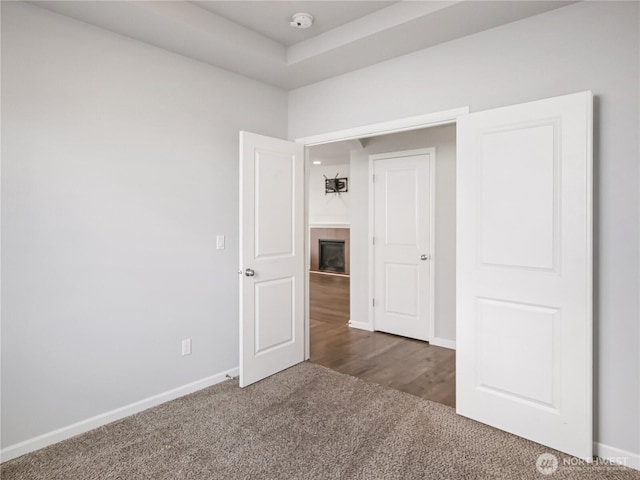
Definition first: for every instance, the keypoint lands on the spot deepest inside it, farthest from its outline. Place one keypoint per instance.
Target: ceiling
(271, 19)
(254, 39)
(335, 153)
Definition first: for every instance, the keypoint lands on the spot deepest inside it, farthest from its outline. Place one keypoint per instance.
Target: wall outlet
(186, 346)
(220, 242)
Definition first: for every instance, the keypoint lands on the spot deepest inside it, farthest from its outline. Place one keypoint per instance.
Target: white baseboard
(616, 455)
(360, 325)
(613, 454)
(55, 436)
(443, 342)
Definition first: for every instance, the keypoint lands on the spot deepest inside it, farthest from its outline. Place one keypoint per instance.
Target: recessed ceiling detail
(252, 38)
(270, 18)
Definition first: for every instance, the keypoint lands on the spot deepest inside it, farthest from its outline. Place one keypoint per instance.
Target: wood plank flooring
(329, 298)
(405, 364)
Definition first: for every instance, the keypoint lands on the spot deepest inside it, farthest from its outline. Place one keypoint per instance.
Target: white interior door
(524, 271)
(271, 256)
(402, 243)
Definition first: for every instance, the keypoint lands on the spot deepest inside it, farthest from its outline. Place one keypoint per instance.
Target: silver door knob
(249, 272)
(424, 257)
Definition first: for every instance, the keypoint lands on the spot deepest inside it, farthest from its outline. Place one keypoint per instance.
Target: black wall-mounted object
(336, 185)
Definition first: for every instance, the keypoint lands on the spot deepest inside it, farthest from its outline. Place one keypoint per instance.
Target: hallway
(408, 365)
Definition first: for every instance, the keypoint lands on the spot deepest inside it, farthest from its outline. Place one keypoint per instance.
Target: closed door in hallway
(402, 242)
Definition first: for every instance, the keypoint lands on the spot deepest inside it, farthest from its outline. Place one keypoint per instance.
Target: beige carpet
(305, 423)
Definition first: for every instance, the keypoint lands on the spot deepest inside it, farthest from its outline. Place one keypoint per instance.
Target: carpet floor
(307, 422)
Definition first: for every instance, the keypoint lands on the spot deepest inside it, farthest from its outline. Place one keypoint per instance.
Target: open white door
(271, 256)
(524, 271)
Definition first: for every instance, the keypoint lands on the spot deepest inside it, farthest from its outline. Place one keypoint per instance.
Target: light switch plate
(220, 242)
(186, 346)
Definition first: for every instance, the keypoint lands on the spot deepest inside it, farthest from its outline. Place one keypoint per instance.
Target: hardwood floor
(329, 298)
(405, 364)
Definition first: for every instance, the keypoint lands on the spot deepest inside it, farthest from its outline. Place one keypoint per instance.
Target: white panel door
(271, 256)
(524, 271)
(402, 245)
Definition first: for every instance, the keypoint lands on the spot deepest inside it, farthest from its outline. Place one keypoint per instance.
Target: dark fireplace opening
(332, 256)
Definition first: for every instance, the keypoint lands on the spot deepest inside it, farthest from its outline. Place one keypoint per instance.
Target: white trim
(432, 244)
(403, 153)
(329, 225)
(588, 345)
(370, 246)
(431, 152)
(55, 436)
(360, 325)
(384, 128)
(307, 256)
(443, 342)
(617, 455)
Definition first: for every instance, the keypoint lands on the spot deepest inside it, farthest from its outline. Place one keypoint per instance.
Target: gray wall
(586, 46)
(119, 168)
(444, 261)
(326, 209)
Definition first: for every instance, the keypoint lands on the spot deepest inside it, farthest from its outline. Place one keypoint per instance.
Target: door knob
(424, 257)
(249, 272)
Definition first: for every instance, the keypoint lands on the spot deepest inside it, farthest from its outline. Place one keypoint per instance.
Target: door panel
(274, 314)
(271, 248)
(524, 353)
(529, 182)
(402, 211)
(401, 289)
(402, 206)
(526, 335)
(274, 173)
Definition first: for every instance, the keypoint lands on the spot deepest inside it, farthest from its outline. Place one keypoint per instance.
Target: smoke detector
(301, 20)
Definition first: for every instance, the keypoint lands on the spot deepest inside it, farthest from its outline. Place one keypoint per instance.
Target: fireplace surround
(329, 248)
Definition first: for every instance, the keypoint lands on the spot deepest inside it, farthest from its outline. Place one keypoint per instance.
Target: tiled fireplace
(330, 250)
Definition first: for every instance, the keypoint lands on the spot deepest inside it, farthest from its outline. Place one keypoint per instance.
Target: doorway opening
(523, 283)
(344, 332)
(329, 266)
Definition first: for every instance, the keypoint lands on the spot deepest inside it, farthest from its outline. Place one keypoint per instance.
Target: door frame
(444, 117)
(431, 151)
